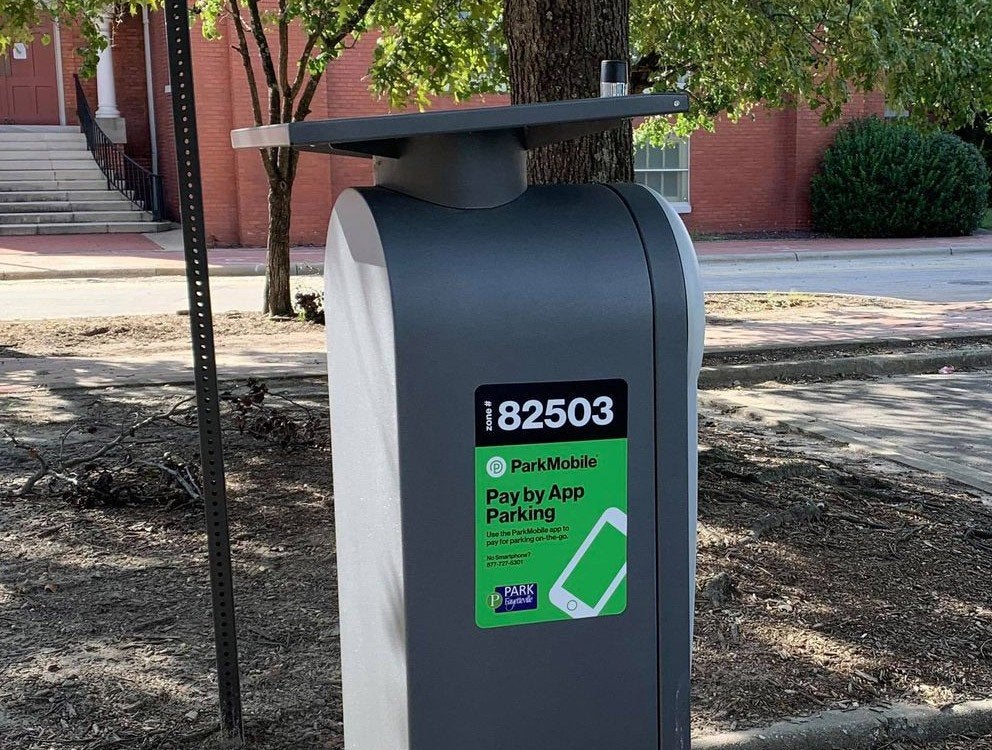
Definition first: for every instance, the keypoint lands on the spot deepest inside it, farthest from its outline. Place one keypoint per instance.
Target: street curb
(858, 729)
(876, 365)
(728, 350)
(794, 256)
(257, 269)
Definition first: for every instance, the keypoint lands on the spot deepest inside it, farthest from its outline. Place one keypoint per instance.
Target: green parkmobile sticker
(551, 501)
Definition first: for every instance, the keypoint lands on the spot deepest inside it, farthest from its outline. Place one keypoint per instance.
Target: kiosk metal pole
(204, 366)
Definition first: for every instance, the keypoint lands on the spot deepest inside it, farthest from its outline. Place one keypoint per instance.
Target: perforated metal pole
(204, 366)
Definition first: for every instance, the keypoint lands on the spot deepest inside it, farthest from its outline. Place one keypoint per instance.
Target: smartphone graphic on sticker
(596, 570)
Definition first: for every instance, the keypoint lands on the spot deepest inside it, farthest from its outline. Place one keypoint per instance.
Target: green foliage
(931, 58)
(978, 133)
(327, 25)
(311, 306)
(20, 18)
(430, 47)
(882, 179)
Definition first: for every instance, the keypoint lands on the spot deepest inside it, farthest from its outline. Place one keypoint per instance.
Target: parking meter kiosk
(512, 377)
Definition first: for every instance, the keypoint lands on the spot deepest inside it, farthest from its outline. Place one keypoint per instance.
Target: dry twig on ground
(114, 472)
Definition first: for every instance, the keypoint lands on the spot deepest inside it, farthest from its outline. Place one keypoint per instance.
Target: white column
(106, 90)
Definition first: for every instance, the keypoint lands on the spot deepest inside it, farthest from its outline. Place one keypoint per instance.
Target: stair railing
(141, 186)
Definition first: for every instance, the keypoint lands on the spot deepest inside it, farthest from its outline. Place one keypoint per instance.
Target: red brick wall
(235, 186)
(163, 114)
(132, 93)
(71, 64)
(749, 176)
(234, 182)
(311, 206)
(128, 49)
(754, 175)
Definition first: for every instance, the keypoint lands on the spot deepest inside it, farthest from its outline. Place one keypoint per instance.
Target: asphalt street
(959, 278)
(964, 278)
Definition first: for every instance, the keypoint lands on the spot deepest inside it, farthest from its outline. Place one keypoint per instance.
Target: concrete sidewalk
(134, 255)
(103, 256)
(904, 320)
(304, 354)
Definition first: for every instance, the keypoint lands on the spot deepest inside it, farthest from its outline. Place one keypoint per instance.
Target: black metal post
(204, 365)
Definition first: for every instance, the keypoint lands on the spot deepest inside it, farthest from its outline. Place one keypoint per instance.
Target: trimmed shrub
(311, 306)
(977, 133)
(889, 179)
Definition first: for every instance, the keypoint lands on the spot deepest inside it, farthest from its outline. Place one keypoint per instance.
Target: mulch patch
(117, 333)
(830, 580)
(827, 579)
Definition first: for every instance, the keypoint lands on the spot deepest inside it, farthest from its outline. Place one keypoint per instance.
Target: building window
(665, 170)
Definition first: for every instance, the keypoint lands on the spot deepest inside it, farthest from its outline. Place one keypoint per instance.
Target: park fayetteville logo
(496, 467)
(516, 598)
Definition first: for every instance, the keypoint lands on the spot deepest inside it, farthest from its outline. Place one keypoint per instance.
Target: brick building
(749, 176)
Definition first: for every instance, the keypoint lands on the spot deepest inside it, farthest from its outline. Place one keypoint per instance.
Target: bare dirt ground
(827, 579)
(738, 304)
(137, 333)
(89, 336)
(106, 639)
(958, 742)
(838, 578)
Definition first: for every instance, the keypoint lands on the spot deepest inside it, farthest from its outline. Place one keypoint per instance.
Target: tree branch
(301, 72)
(33, 453)
(284, 88)
(306, 99)
(61, 469)
(242, 48)
(348, 25)
(125, 431)
(256, 105)
(262, 42)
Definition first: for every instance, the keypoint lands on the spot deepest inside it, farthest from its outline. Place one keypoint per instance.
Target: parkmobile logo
(496, 467)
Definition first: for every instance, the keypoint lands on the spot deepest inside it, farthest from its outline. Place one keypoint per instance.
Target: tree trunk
(555, 48)
(278, 302)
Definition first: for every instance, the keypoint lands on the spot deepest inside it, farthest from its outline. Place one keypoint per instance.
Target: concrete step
(9, 230)
(42, 130)
(40, 197)
(72, 217)
(45, 149)
(41, 164)
(7, 136)
(17, 186)
(90, 172)
(71, 144)
(66, 206)
(37, 158)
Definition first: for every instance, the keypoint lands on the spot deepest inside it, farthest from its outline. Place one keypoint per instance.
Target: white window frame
(682, 207)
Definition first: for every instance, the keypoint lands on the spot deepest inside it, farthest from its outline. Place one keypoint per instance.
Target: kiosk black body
(512, 374)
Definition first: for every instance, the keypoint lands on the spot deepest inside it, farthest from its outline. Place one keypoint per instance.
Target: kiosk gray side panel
(696, 310)
(362, 378)
(676, 457)
(551, 287)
